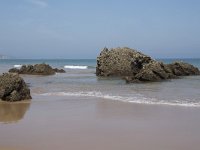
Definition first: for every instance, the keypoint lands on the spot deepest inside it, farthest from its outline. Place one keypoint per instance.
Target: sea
(81, 82)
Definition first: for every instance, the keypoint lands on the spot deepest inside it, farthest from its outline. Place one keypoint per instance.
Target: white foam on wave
(17, 66)
(137, 99)
(75, 67)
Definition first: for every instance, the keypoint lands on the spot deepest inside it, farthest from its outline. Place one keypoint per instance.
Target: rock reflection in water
(13, 112)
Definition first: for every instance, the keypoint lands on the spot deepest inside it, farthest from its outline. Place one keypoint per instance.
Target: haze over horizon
(80, 29)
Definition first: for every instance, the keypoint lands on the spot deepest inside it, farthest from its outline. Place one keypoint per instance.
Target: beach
(78, 110)
(99, 75)
(71, 123)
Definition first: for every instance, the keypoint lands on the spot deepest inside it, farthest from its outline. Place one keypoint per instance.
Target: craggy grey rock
(133, 66)
(38, 69)
(183, 69)
(120, 62)
(13, 88)
(154, 71)
(59, 70)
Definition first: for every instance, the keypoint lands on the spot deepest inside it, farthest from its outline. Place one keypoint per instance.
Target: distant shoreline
(4, 57)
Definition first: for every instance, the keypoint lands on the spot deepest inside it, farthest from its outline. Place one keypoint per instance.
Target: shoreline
(88, 95)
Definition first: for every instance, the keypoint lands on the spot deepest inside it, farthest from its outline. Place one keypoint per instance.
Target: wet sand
(74, 123)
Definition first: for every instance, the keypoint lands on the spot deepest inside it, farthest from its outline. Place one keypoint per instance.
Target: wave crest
(17, 66)
(75, 67)
(138, 99)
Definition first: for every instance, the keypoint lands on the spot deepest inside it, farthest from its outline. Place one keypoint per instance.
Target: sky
(81, 28)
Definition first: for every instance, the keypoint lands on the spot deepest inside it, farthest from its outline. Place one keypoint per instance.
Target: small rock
(13, 88)
(38, 69)
(59, 70)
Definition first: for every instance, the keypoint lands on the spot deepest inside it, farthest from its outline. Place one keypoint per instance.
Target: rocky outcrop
(59, 70)
(13, 88)
(38, 69)
(153, 71)
(120, 62)
(183, 69)
(134, 66)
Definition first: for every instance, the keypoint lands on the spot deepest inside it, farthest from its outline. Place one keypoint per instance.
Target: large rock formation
(120, 62)
(134, 66)
(13, 88)
(38, 69)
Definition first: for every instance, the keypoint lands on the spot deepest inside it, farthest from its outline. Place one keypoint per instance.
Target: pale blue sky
(81, 28)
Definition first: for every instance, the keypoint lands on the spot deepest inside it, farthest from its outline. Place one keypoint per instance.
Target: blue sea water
(80, 81)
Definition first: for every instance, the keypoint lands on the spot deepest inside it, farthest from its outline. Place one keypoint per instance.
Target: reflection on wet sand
(13, 112)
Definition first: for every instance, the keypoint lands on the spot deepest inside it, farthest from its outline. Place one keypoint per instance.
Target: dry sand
(97, 124)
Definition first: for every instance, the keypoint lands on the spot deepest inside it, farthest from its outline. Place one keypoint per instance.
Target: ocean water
(80, 81)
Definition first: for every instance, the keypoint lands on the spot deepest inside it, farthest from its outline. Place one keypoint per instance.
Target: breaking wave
(138, 99)
(75, 67)
(17, 66)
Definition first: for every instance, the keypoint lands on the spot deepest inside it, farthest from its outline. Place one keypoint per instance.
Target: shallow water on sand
(77, 110)
(80, 81)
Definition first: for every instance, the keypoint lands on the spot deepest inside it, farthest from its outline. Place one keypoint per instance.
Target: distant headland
(3, 57)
